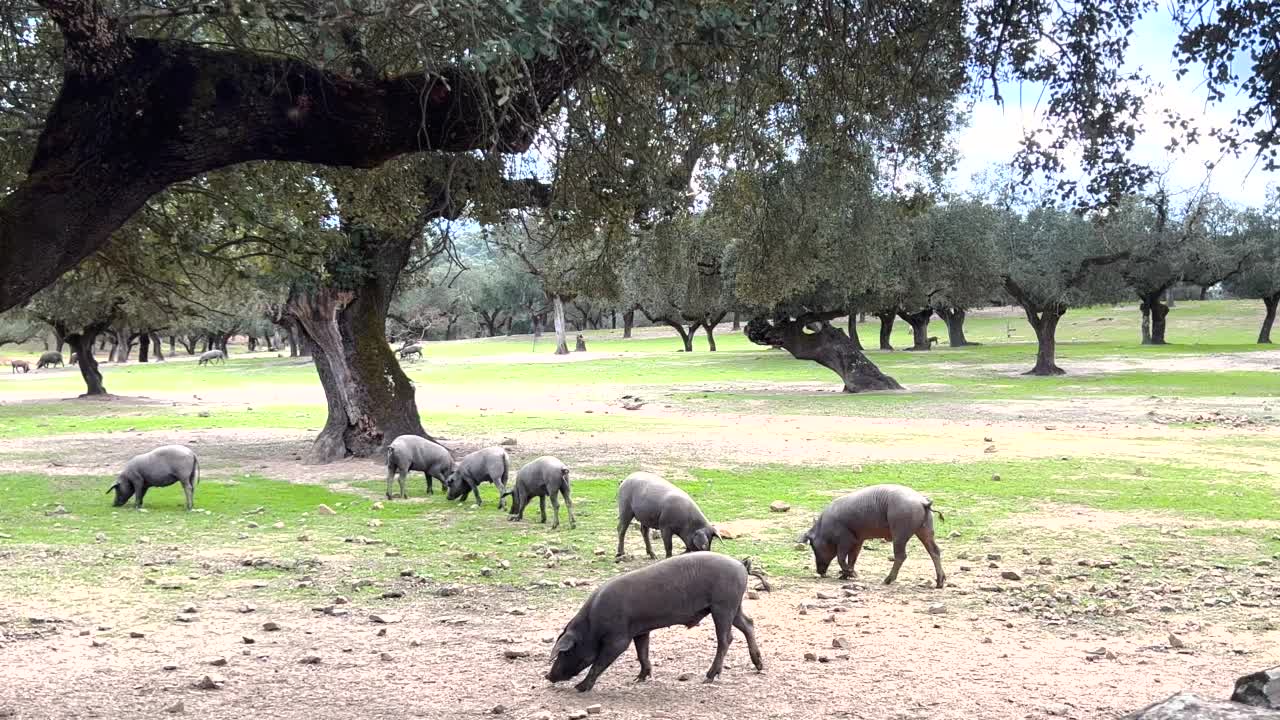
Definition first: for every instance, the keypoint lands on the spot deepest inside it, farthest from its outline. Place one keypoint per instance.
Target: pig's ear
(566, 642)
(715, 533)
(805, 539)
(114, 485)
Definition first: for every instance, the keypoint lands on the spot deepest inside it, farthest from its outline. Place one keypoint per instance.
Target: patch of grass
(452, 542)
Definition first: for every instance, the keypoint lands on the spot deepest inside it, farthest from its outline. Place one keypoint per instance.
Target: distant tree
(1259, 238)
(17, 327)
(678, 279)
(81, 306)
(963, 260)
(1054, 260)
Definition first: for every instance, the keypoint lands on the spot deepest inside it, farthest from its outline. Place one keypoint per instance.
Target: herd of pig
(681, 590)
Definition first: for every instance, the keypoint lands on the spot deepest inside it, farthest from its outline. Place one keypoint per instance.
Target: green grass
(437, 537)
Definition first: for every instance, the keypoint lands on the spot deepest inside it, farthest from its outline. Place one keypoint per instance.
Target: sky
(994, 131)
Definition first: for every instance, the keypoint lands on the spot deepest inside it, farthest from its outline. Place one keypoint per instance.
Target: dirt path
(901, 662)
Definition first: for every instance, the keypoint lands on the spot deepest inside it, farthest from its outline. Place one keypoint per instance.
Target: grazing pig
(677, 591)
(16, 365)
(887, 512)
(211, 356)
(545, 476)
(52, 358)
(159, 468)
(487, 465)
(410, 452)
(656, 503)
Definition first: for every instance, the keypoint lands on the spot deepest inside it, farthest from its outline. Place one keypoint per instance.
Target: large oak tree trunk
(709, 325)
(954, 318)
(737, 324)
(82, 343)
(886, 329)
(1271, 302)
(557, 312)
(919, 322)
(1044, 320)
(370, 399)
(1154, 312)
(628, 321)
(157, 347)
(144, 347)
(827, 346)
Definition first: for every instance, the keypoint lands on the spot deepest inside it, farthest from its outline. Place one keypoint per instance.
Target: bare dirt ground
(978, 654)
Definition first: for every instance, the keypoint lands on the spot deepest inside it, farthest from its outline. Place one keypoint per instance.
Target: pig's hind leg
(723, 618)
(748, 630)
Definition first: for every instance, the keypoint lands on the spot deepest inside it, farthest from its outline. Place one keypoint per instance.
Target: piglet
(887, 512)
(412, 453)
(677, 591)
(656, 503)
(489, 464)
(542, 478)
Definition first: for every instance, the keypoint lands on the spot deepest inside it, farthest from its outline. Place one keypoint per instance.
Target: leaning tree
(1258, 237)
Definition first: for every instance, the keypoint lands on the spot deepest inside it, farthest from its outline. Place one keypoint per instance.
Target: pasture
(1089, 518)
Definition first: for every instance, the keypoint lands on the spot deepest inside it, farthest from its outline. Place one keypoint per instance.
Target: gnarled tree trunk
(737, 324)
(954, 318)
(1271, 301)
(886, 329)
(827, 346)
(853, 330)
(628, 321)
(158, 347)
(370, 399)
(82, 345)
(1044, 320)
(919, 322)
(557, 312)
(709, 324)
(1154, 312)
(144, 347)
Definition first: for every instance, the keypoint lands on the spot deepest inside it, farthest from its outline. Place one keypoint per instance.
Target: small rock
(210, 682)
(753, 595)
(685, 677)
(246, 608)
(594, 709)
(486, 572)
(190, 609)
(449, 591)
(840, 643)
(1057, 710)
(1010, 575)
(247, 640)
(325, 510)
(304, 538)
(541, 715)
(515, 653)
(385, 657)
(392, 594)
(778, 506)
(97, 643)
(136, 635)
(810, 657)
(1176, 642)
(270, 626)
(995, 477)
(278, 525)
(176, 708)
(375, 523)
(217, 661)
(824, 595)
(577, 714)
(993, 556)
(990, 449)
(937, 609)
(378, 505)
(384, 619)
(170, 666)
(310, 660)
(251, 525)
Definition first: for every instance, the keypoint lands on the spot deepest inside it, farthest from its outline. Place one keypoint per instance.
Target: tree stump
(581, 346)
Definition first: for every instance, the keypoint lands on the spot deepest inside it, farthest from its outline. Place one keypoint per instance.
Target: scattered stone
(824, 595)
(449, 591)
(246, 608)
(251, 525)
(97, 643)
(170, 666)
(385, 657)
(497, 710)
(279, 525)
(217, 661)
(753, 595)
(778, 506)
(325, 510)
(378, 505)
(990, 449)
(247, 640)
(176, 708)
(304, 538)
(310, 660)
(515, 653)
(577, 714)
(594, 709)
(486, 572)
(995, 477)
(994, 557)
(210, 682)
(937, 609)
(1260, 689)
(1056, 710)
(840, 642)
(270, 626)
(1010, 575)
(810, 657)
(392, 552)
(685, 677)
(508, 442)
(392, 594)
(1176, 642)
(385, 619)
(504, 564)
(136, 635)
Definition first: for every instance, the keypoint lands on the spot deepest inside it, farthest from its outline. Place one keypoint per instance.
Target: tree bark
(157, 347)
(1268, 320)
(737, 324)
(1044, 320)
(853, 330)
(919, 322)
(828, 346)
(144, 347)
(709, 324)
(135, 115)
(557, 311)
(1154, 312)
(82, 342)
(628, 322)
(370, 399)
(886, 328)
(58, 341)
(954, 318)
(123, 344)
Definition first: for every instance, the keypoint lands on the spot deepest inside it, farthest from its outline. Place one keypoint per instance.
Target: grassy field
(1141, 487)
